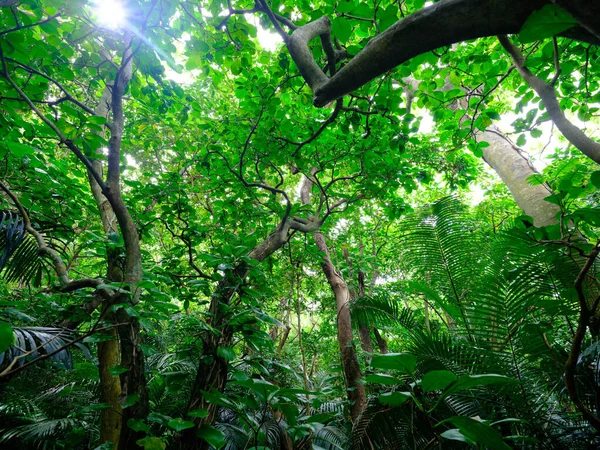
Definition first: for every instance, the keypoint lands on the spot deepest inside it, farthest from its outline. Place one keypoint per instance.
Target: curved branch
(70, 145)
(31, 25)
(546, 92)
(585, 314)
(59, 266)
(441, 24)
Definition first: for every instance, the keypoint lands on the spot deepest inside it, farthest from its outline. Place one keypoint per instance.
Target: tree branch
(441, 24)
(70, 145)
(546, 92)
(585, 314)
(31, 25)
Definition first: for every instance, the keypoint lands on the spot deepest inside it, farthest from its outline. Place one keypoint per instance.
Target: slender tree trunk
(381, 342)
(115, 217)
(109, 356)
(364, 333)
(352, 373)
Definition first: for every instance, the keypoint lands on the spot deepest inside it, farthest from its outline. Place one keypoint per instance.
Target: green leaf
(151, 443)
(179, 424)
(99, 337)
(536, 133)
(455, 435)
(589, 215)
(380, 378)
(394, 398)
(211, 435)
(202, 413)
(404, 362)
(478, 432)
(19, 150)
(130, 401)
(226, 353)
(7, 336)
(471, 381)
(546, 22)
(138, 425)
(595, 178)
(98, 120)
(437, 380)
(117, 370)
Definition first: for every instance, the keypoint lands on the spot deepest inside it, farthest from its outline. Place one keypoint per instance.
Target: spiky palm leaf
(19, 262)
(32, 342)
(504, 303)
(45, 420)
(443, 249)
(381, 311)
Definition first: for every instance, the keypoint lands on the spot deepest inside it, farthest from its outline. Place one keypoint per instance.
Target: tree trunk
(115, 217)
(212, 370)
(351, 368)
(514, 168)
(439, 25)
(108, 356)
(383, 348)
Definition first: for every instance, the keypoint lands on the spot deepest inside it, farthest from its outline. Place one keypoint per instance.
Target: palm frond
(20, 261)
(443, 248)
(31, 342)
(380, 311)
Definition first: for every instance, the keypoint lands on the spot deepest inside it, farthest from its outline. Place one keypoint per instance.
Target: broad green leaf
(546, 22)
(394, 398)
(471, 381)
(19, 150)
(138, 425)
(202, 413)
(382, 379)
(454, 434)
(6, 336)
(98, 120)
(403, 362)
(589, 215)
(117, 370)
(478, 432)
(226, 352)
(595, 178)
(131, 400)
(437, 380)
(151, 443)
(179, 424)
(210, 434)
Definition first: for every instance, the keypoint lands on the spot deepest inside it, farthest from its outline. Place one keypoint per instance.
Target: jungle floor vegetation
(294, 225)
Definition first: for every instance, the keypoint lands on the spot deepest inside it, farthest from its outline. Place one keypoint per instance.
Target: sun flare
(110, 13)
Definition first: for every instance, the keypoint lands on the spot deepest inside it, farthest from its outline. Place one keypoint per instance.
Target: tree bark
(108, 356)
(545, 91)
(115, 217)
(514, 168)
(212, 370)
(381, 342)
(352, 373)
(441, 24)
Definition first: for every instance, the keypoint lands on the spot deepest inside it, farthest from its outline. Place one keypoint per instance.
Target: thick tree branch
(574, 135)
(441, 24)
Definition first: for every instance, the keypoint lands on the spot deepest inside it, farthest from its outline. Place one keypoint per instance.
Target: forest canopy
(294, 225)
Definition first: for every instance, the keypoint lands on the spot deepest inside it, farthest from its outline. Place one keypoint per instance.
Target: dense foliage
(195, 256)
